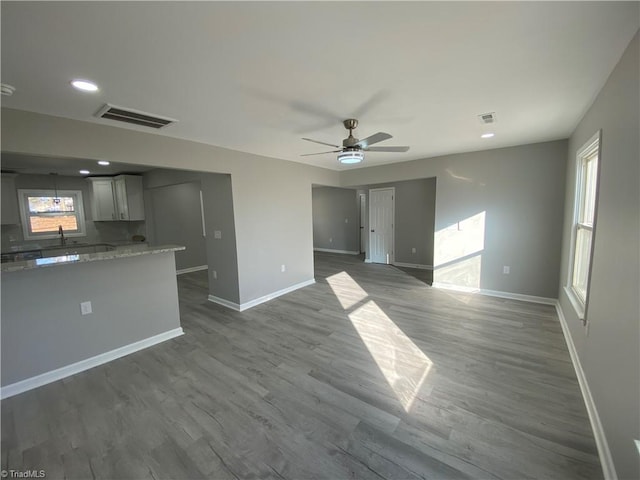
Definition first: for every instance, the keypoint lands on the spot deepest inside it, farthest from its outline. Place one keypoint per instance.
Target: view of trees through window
(51, 204)
(47, 214)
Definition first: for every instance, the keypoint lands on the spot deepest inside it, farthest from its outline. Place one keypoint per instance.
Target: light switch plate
(85, 308)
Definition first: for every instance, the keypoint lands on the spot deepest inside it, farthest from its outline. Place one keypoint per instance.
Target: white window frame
(23, 195)
(579, 301)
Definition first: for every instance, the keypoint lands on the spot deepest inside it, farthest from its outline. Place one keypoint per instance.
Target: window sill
(577, 305)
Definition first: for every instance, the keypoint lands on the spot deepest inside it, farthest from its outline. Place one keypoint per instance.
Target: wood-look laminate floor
(368, 374)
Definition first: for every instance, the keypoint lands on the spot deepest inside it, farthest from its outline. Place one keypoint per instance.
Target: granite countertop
(121, 252)
(70, 245)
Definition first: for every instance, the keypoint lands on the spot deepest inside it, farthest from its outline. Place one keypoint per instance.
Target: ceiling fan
(352, 150)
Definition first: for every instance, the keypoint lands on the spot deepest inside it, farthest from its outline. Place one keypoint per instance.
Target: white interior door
(381, 225)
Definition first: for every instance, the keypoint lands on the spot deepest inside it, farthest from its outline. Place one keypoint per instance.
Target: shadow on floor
(425, 276)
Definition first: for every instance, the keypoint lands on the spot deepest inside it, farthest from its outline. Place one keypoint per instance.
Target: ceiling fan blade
(319, 153)
(375, 138)
(322, 143)
(387, 149)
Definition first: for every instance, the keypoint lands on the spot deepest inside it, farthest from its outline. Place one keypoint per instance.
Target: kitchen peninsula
(62, 315)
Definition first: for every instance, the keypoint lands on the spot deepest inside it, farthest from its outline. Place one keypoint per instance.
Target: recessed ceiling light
(103, 163)
(84, 85)
(487, 135)
(84, 172)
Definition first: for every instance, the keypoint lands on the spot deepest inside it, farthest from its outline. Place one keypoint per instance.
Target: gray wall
(493, 208)
(97, 232)
(272, 205)
(271, 198)
(336, 219)
(609, 350)
(222, 254)
(174, 217)
(415, 213)
(133, 298)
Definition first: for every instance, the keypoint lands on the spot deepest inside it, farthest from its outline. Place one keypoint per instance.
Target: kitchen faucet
(61, 233)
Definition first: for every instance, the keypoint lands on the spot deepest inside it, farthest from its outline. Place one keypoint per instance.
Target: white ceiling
(258, 76)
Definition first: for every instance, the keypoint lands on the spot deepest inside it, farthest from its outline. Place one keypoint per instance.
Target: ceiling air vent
(136, 117)
(487, 117)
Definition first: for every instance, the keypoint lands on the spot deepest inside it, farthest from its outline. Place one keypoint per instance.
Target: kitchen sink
(60, 250)
(77, 249)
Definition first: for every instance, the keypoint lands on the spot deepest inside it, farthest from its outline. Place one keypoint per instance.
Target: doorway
(381, 219)
(363, 222)
(177, 219)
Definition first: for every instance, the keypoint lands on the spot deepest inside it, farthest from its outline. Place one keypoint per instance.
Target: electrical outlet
(413, 250)
(215, 275)
(506, 269)
(346, 220)
(217, 234)
(283, 268)
(330, 239)
(85, 308)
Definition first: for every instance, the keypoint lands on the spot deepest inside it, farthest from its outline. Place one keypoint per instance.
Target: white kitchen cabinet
(129, 197)
(103, 205)
(117, 198)
(10, 213)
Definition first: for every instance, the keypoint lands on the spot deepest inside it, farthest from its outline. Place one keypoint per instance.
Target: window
(45, 211)
(583, 224)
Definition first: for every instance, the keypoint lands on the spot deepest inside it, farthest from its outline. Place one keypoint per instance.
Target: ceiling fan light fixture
(350, 157)
(6, 89)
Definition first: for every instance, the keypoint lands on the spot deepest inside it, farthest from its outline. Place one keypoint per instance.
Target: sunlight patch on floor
(346, 290)
(401, 362)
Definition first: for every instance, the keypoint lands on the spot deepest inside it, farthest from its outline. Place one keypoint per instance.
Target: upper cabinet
(117, 198)
(10, 213)
(129, 197)
(103, 205)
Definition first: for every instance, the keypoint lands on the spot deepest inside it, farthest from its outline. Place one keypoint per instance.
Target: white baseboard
(192, 269)
(496, 293)
(329, 250)
(247, 305)
(413, 265)
(68, 370)
(368, 260)
(224, 303)
(608, 468)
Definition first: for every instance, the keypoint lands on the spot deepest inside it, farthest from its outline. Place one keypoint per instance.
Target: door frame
(393, 222)
(362, 207)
